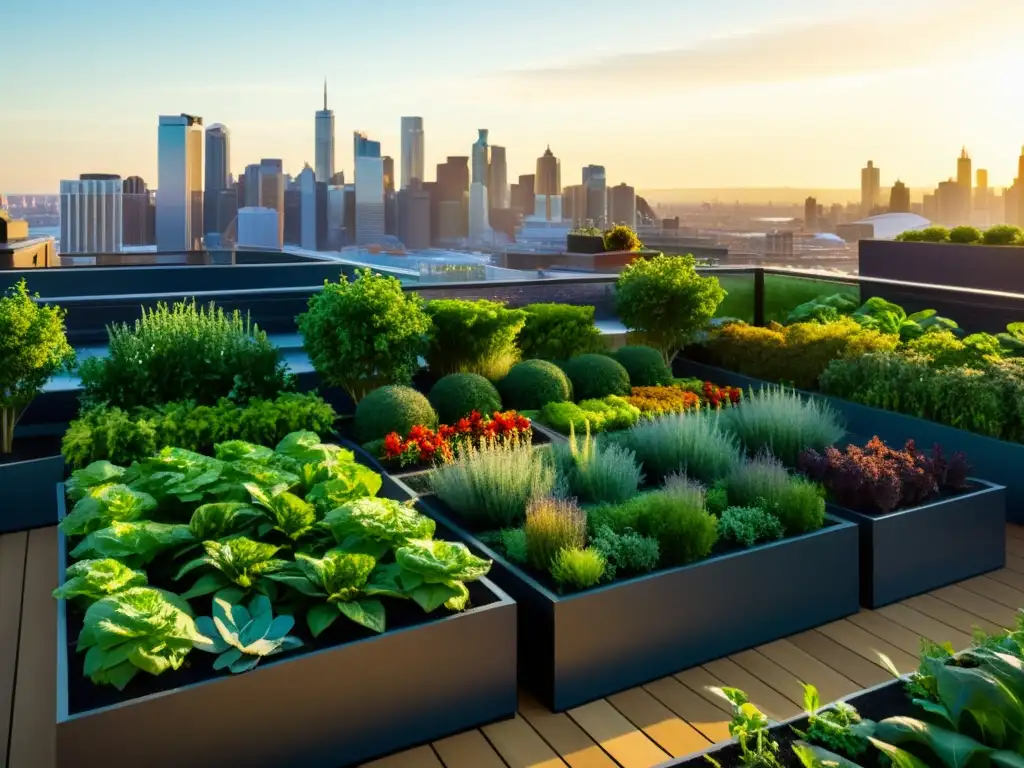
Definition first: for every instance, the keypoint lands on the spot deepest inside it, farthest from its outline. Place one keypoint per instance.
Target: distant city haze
(667, 95)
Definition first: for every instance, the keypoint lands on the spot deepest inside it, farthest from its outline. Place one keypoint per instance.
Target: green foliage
(137, 629)
(376, 525)
(434, 573)
(934, 234)
(626, 553)
(621, 238)
(839, 728)
(286, 513)
(96, 474)
(476, 336)
(363, 334)
(513, 542)
(822, 309)
(340, 579)
(597, 473)
(558, 332)
(134, 544)
(749, 526)
(609, 413)
(243, 635)
(944, 349)
(33, 348)
(120, 436)
(186, 352)
(237, 560)
(763, 482)
(532, 384)
(458, 394)
(665, 302)
(491, 485)
(675, 518)
(644, 365)
(105, 504)
(551, 526)
(690, 443)
(1002, 234)
(578, 568)
(595, 376)
(392, 409)
(884, 316)
(780, 421)
(716, 498)
(91, 580)
(965, 235)
(749, 727)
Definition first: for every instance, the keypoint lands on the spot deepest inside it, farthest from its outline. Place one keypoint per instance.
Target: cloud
(859, 45)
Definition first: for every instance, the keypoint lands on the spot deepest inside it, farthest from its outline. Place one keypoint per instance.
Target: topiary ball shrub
(392, 409)
(457, 394)
(596, 376)
(645, 366)
(532, 384)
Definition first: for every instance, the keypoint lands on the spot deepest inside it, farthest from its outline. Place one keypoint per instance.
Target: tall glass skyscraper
(369, 190)
(179, 196)
(324, 168)
(412, 150)
(91, 214)
(218, 176)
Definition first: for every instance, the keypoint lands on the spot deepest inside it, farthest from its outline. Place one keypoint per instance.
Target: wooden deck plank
(868, 646)
(701, 681)
(777, 677)
(467, 750)
(763, 696)
(996, 591)
(33, 725)
(570, 741)
(420, 757)
(1015, 546)
(708, 719)
(840, 658)
(669, 732)
(924, 626)
(13, 547)
(1008, 577)
(888, 630)
(520, 746)
(949, 614)
(1015, 562)
(1015, 531)
(627, 745)
(1000, 615)
(805, 668)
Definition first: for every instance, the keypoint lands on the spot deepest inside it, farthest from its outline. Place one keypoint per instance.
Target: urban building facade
(596, 182)
(870, 183)
(899, 198)
(179, 196)
(622, 205)
(369, 199)
(217, 178)
(413, 147)
(271, 191)
(414, 216)
(139, 219)
(324, 142)
(549, 174)
(92, 214)
(308, 208)
(497, 180)
(258, 228)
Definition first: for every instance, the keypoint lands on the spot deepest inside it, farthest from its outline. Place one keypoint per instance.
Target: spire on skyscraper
(963, 153)
(325, 94)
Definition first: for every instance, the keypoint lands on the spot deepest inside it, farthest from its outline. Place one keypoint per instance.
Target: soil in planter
(35, 447)
(84, 695)
(888, 701)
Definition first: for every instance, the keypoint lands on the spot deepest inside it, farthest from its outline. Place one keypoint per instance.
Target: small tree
(364, 334)
(33, 347)
(665, 301)
(621, 238)
(1002, 234)
(965, 235)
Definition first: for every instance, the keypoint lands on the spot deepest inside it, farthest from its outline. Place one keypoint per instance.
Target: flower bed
(355, 581)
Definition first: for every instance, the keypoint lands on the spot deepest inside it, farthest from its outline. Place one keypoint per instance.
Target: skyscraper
(899, 198)
(622, 205)
(548, 205)
(870, 182)
(453, 198)
(963, 171)
(369, 191)
(390, 199)
(324, 141)
(138, 212)
(414, 216)
(308, 207)
(179, 196)
(497, 182)
(597, 194)
(478, 196)
(217, 178)
(522, 194)
(981, 196)
(412, 150)
(362, 146)
(91, 214)
(271, 191)
(811, 214)
(574, 204)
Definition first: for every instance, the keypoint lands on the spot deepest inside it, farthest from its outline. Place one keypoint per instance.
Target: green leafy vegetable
(239, 560)
(382, 524)
(287, 512)
(234, 450)
(96, 474)
(349, 482)
(244, 636)
(103, 505)
(215, 521)
(96, 579)
(434, 572)
(133, 543)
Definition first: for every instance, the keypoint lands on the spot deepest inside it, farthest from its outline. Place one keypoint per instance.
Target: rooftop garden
(1000, 234)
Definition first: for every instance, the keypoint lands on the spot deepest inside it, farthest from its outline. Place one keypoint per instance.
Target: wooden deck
(638, 728)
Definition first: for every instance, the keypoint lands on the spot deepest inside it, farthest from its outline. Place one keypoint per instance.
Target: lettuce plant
(96, 474)
(239, 560)
(287, 513)
(377, 525)
(350, 482)
(433, 573)
(104, 504)
(242, 636)
(138, 629)
(92, 580)
(133, 543)
(226, 518)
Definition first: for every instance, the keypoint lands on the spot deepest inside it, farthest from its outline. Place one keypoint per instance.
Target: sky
(664, 93)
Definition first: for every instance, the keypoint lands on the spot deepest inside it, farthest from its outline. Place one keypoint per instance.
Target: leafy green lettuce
(220, 519)
(433, 573)
(351, 481)
(239, 560)
(377, 525)
(96, 474)
(105, 504)
(133, 543)
(96, 579)
(242, 636)
(285, 511)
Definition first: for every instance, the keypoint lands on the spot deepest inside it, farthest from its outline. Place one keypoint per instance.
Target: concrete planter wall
(28, 493)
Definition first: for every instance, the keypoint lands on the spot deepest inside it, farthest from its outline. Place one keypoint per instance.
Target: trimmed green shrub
(532, 384)
(121, 436)
(684, 529)
(595, 376)
(965, 235)
(551, 526)
(458, 394)
(392, 409)
(684, 442)
(645, 366)
(665, 302)
(763, 482)
(621, 238)
(184, 353)
(364, 334)
(627, 552)
(1002, 234)
(749, 526)
(578, 568)
(558, 332)
(610, 413)
(476, 336)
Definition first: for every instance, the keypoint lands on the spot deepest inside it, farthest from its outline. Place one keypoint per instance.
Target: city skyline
(817, 89)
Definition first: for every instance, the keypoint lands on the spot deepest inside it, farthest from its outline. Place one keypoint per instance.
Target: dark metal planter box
(28, 493)
(330, 708)
(579, 647)
(916, 550)
(997, 461)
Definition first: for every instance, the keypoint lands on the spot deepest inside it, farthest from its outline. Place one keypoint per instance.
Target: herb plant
(578, 568)
(690, 443)
(609, 413)
(749, 727)
(551, 526)
(597, 473)
(749, 526)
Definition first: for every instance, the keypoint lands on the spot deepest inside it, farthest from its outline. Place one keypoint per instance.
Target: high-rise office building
(574, 205)
(811, 214)
(963, 171)
(982, 193)
(870, 182)
(497, 180)
(1016, 211)
(324, 139)
(522, 194)
(258, 228)
(292, 216)
(622, 205)
(362, 146)
(899, 198)
(478, 195)
(481, 156)
(390, 198)
(453, 198)
(179, 196)
(414, 216)
(595, 180)
(369, 191)
(549, 174)
(217, 178)
(271, 191)
(139, 212)
(91, 214)
(413, 147)
(250, 186)
(308, 208)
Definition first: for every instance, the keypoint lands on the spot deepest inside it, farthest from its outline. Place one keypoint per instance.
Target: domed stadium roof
(888, 225)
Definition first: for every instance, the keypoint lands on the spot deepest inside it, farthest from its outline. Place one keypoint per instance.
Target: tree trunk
(8, 418)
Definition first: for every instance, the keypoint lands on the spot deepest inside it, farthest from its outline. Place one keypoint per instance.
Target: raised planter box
(28, 491)
(910, 551)
(997, 461)
(578, 647)
(328, 708)
(589, 244)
